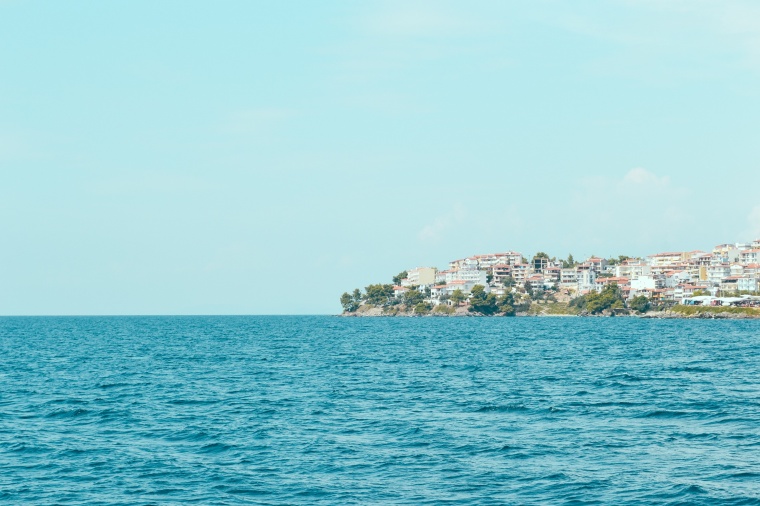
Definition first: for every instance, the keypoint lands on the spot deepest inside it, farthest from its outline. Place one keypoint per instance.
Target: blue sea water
(326, 410)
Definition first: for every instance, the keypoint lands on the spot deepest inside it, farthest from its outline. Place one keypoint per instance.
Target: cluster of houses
(728, 269)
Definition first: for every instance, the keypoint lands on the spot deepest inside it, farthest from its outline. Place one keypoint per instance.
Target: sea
(324, 410)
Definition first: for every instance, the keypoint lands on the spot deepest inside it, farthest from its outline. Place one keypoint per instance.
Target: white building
(675, 278)
(747, 284)
(419, 276)
(717, 273)
(568, 277)
(665, 259)
(632, 270)
(491, 259)
(586, 279)
(474, 276)
(643, 283)
(750, 256)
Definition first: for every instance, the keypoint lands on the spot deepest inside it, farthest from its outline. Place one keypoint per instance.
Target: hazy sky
(263, 157)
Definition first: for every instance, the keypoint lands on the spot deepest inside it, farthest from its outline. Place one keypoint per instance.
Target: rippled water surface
(325, 410)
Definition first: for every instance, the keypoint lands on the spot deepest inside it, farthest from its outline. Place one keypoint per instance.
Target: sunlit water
(326, 410)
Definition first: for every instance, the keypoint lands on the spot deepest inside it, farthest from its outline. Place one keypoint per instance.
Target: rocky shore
(707, 314)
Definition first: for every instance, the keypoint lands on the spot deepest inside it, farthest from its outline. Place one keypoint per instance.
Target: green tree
(489, 278)
(348, 303)
(357, 296)
(482, 302)
(528, 288)
(398, 277)
(611, 297)
(507, 304)
(413, 297)
(457, 296)
(639, 303)
(569, 263)
(379, 294)
(508, 282)
(422, 308)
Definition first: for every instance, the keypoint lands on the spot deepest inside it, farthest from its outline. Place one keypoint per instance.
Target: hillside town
(727, 275)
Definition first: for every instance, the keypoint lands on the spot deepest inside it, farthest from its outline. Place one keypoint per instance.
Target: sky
(255, 157)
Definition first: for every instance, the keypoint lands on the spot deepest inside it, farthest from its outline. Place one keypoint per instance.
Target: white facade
(474, 276)
(717, 273)
(750, 256)
(643, 283)
(509, 258)
(632, 270)
(586, 279)
(665, 259)
(747, 284)
(568, 277)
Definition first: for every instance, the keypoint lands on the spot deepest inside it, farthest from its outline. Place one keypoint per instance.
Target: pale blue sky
(263, 157)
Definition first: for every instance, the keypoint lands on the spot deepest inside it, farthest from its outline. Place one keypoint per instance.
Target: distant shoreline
(690, 313)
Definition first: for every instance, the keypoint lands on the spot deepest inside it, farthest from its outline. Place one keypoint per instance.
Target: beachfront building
(552, 274)
(717, 273)
(521, 272)
(440, 277)
(600, 283)
(642, 283)
(747, 284)
(568, 278)
(750, 256)
(586, 278)
(500, 273)
(419, 276)
(596, 263)
(536, 282)
(665, 259)
(399, 291)
(729, 284)
(449, 288)
(632, 269)
(671, 279)
(474, 276)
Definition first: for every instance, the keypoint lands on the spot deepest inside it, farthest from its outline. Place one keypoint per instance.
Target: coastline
(699, 313)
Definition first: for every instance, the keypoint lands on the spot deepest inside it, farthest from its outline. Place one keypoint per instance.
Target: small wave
(666, 413)
(504, 408)
(216, 448)
(193, 402)
(693, 368)
(24, 448)
(745, 475)
(68, 413)
(106, 386)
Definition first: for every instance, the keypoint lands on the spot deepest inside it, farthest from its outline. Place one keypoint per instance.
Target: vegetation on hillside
(611, 297)
(480, 302)
(697, 310)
